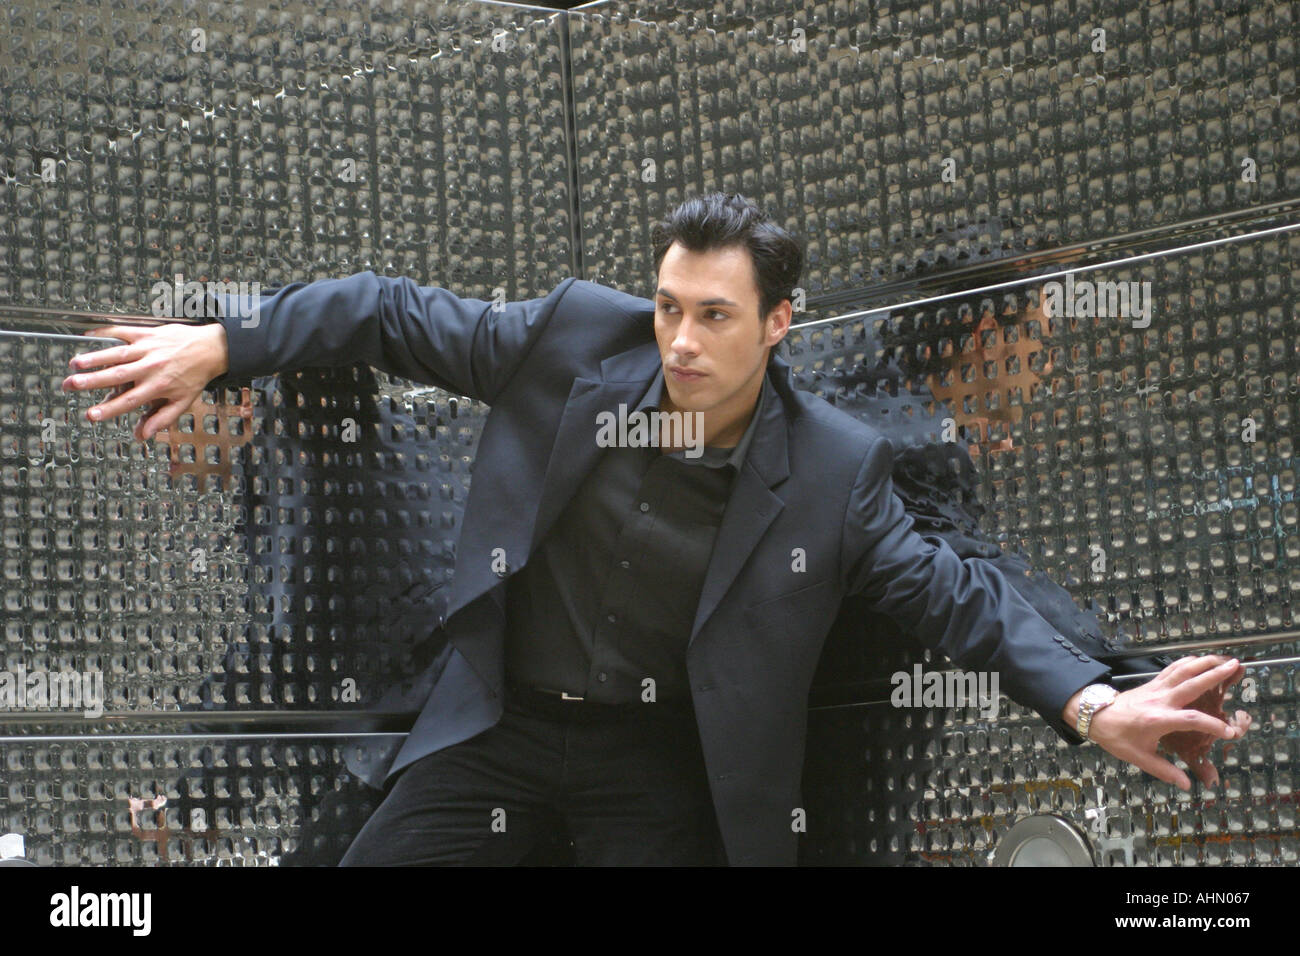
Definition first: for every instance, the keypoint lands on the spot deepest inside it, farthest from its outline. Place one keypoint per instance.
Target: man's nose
(684, 341)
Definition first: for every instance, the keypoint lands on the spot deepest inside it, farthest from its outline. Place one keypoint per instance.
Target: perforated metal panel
(254, 589)
(904, 138)
(268, 564)
(1115, 460)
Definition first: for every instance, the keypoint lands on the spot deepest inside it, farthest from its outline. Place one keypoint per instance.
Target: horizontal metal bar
(210, 716)
(308, 734)
(1115, 245)
(1278, 637)
(80, 340)
(63, 738)
(1271, 662)
(26, 313)
(1011, 283)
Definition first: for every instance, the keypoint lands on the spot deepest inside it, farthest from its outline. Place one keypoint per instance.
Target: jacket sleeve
(964, 608)
(423, 333)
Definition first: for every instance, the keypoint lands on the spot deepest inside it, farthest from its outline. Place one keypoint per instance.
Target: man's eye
(668, 307)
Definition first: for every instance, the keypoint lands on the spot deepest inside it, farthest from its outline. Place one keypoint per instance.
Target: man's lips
(687, 375)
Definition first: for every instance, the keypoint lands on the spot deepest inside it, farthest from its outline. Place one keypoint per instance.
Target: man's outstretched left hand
(1181, 709)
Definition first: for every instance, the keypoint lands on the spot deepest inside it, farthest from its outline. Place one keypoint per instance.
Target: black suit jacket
(816, 483)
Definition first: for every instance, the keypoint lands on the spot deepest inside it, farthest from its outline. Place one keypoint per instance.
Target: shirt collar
(710, 456)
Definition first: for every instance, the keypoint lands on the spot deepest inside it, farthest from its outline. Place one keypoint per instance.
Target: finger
(145, 415)
(1196, 756)
(126, 402)
(1204, 770)
(114, 355)
(1197, 722)
(127, 333)
(1235, 676)
(1242, 721)
(1161, 769)
(163, 417)
(107, 378)
(1186, 666)
(1193, 686)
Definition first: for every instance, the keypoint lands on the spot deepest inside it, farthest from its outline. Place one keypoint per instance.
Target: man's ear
(777, 323)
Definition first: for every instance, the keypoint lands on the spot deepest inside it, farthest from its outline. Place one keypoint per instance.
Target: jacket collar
(768, 451)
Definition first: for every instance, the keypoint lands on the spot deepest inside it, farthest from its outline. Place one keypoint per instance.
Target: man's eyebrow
(735, 305)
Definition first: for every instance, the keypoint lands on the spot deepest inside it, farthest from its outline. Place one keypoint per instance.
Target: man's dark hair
(719, 220)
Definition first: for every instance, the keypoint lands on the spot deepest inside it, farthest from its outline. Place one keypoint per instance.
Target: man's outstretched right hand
(162, 368)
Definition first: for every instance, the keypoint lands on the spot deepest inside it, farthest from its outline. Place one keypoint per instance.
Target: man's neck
(722, 429)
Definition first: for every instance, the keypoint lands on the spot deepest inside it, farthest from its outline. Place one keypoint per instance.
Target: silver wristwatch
(1095, 697)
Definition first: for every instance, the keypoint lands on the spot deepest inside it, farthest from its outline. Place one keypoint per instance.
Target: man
(632, 630)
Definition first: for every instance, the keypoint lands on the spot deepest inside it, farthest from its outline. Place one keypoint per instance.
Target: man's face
(706, 322)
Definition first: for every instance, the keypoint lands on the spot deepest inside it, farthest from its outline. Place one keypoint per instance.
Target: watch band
(1090, 706)
(1086, 709)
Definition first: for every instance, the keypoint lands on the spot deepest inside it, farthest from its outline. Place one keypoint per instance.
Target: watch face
(1100, 694)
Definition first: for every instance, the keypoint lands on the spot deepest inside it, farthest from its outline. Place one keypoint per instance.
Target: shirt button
(601, 676)
(625, 564)
(645, 506)
(612, 618)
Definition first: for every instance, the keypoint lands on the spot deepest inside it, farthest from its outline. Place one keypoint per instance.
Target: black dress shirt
(608, 598)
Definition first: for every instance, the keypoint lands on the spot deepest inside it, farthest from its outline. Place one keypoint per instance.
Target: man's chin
(691, 404)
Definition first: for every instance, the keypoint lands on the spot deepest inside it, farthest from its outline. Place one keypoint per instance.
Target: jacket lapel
(753, 505)
(575, 451)
(573, 454)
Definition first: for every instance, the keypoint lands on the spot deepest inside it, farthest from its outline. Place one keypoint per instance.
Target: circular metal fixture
(1044, 839)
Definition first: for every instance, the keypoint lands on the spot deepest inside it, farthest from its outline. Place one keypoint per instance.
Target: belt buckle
(553, 693)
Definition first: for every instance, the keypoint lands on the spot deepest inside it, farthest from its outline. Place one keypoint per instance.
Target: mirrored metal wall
(243, 604)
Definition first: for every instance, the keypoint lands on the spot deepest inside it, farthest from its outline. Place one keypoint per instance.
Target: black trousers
(627, 792)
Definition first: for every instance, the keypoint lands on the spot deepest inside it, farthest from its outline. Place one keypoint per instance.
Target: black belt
(559, 705)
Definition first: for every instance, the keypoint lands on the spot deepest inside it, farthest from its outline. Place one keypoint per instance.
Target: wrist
(219, 350)
(1091, 701)
(1070, 715)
